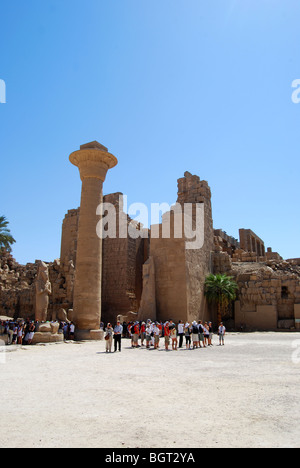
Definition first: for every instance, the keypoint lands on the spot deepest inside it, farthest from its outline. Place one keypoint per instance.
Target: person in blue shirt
(118, 330)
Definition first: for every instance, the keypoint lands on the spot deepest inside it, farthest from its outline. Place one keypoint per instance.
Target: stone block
(96, 335)
(54, 327)
(45, 328)
(47, 337)
(297, 311)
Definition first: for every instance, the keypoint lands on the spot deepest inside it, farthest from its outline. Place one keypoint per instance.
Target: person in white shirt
(156, 332)
(222, 331)
(149, 329)
(72, 331)
(180, 329)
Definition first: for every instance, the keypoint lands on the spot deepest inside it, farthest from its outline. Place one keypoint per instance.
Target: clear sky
(168, 86)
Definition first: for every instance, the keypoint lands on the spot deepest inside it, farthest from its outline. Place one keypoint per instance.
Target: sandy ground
(245, 394)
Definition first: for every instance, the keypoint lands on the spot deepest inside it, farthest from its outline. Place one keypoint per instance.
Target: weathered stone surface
(93, 162)
(147, 308)
(45, 328)
(47, 337)
(54, 327)
(42, 292)
(269, 287)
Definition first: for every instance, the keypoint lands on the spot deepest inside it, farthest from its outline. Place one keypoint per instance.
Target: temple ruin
(149, 274)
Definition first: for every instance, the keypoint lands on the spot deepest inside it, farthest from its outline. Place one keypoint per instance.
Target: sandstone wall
(17, 288)
(180, 272)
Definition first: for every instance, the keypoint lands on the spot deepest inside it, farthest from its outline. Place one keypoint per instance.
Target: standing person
(10, 332)
(143, 333)
(173, 335)
(135, 330)
(156, 332)
(195, 335)
(31, 333)
(222, 331)
(108, 337)
(118, 330)
(15, 333)
(130, 332)
(210, 329)
(26, 332)
(72, 331)
(148, 335)
(65, 330)
(187, 333)
(201, 334)
(125, 332)
(167, 335)
(159, 324)
(20, 333)
(206, 333)
(180, 333)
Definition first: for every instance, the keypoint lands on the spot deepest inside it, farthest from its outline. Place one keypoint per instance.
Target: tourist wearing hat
(148, 334)
(108, 337)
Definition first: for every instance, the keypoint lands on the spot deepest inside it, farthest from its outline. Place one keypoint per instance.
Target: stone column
(93, 161)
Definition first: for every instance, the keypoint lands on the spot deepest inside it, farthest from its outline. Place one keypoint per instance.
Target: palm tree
(6, 239)
(221, 290)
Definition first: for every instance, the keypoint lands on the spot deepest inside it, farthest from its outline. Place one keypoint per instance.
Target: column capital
(93, 160)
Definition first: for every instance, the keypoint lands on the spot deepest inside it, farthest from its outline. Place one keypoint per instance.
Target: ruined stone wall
(17, 287)
(69, 237)
(170, 278)
(180, 272)
(250, 242)
(198, 261)
(268, 289)
(268, 294)
(122, 263)
(16, 293)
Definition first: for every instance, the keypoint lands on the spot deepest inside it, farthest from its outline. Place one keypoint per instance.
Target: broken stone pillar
(93, 161)
(147, 308)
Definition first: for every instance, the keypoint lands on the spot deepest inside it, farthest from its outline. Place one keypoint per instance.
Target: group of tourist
(196, 334)
(149, 333)
(18, 332)
(22, 332)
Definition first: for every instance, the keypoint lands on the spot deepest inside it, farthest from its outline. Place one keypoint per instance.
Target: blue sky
(168, 86)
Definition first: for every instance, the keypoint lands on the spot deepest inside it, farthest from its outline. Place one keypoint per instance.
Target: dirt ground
(243, 394)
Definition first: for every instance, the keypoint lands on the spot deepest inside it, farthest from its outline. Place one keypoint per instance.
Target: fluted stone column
(93, 161)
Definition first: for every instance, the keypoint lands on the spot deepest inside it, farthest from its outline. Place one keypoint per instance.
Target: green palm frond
(221, 290)
(6, 239)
